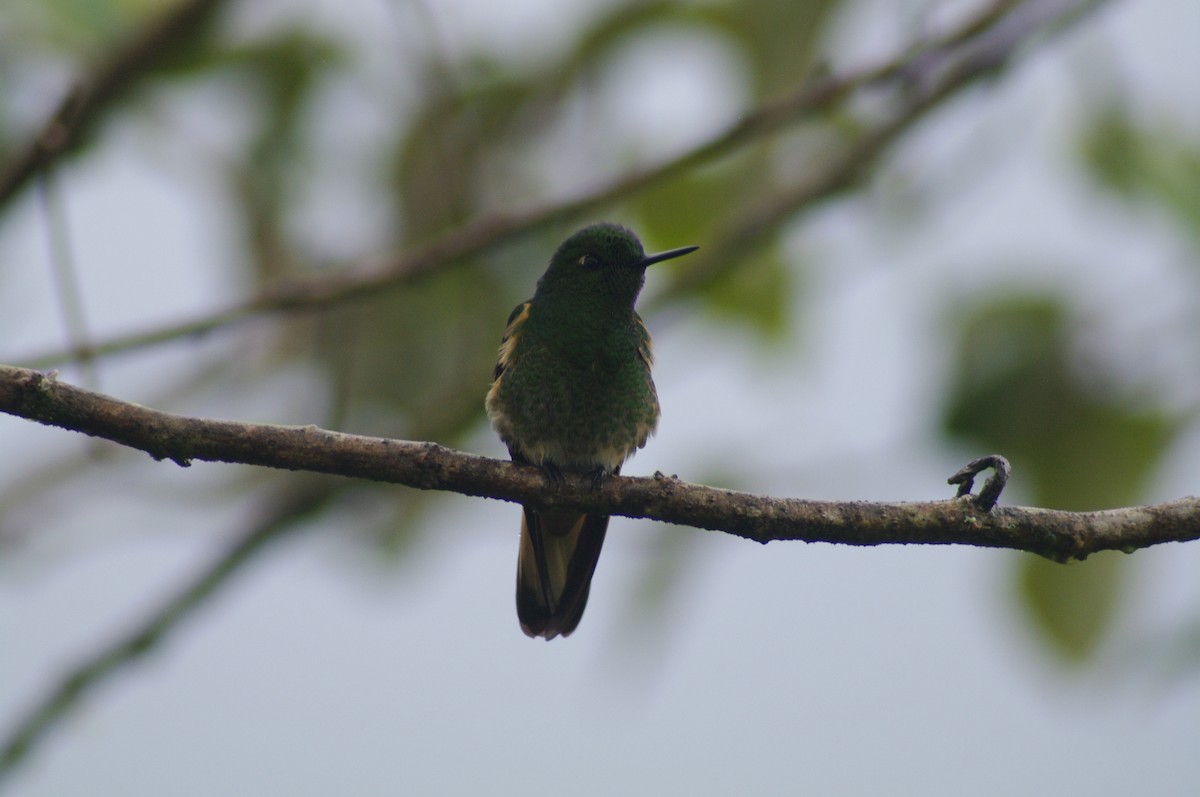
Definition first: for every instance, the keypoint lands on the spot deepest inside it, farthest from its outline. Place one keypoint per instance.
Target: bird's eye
(590, 262)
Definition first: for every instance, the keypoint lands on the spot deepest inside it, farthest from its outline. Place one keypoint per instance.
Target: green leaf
(439, 168)
(752, 287)
(1155, 165)
(1073, 605)
(756, 291)
(687, 209)
(1074, 444)
(418, 361)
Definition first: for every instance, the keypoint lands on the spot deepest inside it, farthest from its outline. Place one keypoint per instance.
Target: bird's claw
(597, 476)
(554, 474)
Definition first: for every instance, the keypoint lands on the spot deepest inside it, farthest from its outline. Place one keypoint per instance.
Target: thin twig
(76, 682)
(66, 274)
(931, 76)
(95, 95)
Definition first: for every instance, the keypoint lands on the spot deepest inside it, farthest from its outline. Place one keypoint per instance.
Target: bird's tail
(559, 551)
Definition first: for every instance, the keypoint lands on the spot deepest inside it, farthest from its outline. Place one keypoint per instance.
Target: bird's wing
(645, 347)
(508, 342)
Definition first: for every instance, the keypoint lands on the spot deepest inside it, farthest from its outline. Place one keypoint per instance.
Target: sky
(784, 669)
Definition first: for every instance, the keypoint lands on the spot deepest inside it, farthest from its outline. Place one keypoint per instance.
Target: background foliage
(296, 140)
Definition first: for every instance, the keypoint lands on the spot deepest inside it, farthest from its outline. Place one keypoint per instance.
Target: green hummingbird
(572, 393)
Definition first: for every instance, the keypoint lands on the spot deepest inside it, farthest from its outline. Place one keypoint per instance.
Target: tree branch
(94, 96)
(927, 75)
(93, 670)
(1057, 535)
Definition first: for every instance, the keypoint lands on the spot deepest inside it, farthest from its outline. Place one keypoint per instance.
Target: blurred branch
(925, 76)
(88, 673)
(93, 97)
(66, 272)
(934, 74)
(1061, 536)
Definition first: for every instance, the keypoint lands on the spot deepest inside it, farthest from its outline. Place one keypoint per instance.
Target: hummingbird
(572, 393)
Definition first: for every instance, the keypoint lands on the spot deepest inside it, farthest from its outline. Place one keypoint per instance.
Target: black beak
(650, 260)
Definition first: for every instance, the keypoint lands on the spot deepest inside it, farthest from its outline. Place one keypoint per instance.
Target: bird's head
(603, 261)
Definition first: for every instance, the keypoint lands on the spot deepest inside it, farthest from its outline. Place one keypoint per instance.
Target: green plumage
(572, 393)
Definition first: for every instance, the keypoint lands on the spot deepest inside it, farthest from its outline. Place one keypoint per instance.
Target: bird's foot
(554, 474)
(597, 476)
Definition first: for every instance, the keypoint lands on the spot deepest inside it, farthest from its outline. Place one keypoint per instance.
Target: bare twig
(1060, 536)
(93, 97)
(938, 69)
(66, 273)
(28, 731)
(964, 477)
(931, 75)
